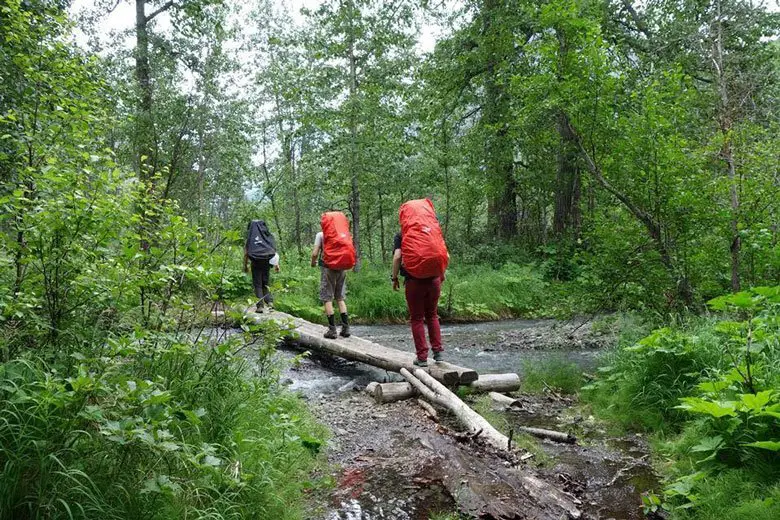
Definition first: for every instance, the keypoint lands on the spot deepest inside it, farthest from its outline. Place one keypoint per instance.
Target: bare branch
(167, 5)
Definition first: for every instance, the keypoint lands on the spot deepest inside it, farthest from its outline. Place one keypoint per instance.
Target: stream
(487, 347)
(385, 457)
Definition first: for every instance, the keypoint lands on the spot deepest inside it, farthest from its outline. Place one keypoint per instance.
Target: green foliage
(469, 293)
(555, 373)
(153, 426)
(714, 385)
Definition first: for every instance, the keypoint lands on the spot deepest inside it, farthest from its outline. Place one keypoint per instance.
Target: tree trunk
(566, 219)
(496, 383)
(727, 149)
(310, 335)
(144, 124)
(436, 392)
(382, 227)
(391, 392)
(271, 191)
(496, 112)
(653, 227)
(353, 167)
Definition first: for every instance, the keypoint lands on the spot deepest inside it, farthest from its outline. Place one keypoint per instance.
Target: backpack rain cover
(260, 243)
(423, 251)
(338, 252)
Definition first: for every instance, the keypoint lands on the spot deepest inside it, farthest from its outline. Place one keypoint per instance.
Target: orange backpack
(338, 252)
(423, 251)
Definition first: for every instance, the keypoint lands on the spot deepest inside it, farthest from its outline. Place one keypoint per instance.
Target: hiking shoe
(420, 363)
(438, 356)
(345, 331)
(331, 333)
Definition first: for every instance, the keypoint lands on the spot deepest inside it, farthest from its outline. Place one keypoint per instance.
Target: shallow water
(612, 472)
(488, 347)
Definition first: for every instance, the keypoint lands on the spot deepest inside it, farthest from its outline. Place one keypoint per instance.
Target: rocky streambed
(393, 462)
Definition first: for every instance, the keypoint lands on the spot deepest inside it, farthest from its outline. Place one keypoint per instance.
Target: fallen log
(438, 393)
(353, 348)
(496, 383)
(391, 392)
(371, 388)
(549, 434)
(504, 399)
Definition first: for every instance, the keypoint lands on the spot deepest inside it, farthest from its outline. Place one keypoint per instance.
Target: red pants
(422, 299)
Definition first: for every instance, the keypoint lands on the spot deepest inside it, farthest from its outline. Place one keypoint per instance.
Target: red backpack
(423, 251)
(338, 252)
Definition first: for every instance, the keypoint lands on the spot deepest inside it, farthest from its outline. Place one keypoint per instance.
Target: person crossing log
(353, 348)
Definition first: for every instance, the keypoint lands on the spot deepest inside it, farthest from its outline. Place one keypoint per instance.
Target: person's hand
(396, 285)
(276, 268)
(313, 263)
(443, 277)
(246, 269)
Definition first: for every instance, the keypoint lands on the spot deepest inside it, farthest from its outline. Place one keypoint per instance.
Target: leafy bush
(716, 386)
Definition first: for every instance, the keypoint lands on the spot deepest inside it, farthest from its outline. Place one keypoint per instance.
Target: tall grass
(153, 428)
(555, 373)
(469, 293)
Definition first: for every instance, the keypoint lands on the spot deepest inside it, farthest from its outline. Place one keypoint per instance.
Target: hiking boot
(438, 356)
(420, 363)
(331, 333)
(259, 308)
(345, 331)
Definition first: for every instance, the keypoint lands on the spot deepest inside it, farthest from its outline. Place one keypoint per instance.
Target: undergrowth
(469, 293)
(555, 374)
(707, 391)
(155, 426)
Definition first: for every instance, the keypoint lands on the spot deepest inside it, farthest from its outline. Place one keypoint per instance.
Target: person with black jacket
(260, 249)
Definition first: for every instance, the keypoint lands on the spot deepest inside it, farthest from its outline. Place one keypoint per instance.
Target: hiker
(335, 253)
(421, 257)
(260, 248)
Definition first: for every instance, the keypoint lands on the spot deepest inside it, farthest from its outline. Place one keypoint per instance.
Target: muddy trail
(393, 462)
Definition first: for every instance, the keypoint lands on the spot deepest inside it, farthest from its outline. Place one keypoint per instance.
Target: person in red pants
(422, 299)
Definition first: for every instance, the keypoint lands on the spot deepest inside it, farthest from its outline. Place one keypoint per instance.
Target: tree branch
(167, 5)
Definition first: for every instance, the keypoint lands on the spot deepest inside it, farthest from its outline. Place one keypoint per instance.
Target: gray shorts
(333, 284)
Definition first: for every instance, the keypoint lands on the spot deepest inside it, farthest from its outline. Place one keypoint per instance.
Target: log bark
(353, 348)
(392, 392)
(496, 383)
(503, 399)
(438, 393)
(549, 434)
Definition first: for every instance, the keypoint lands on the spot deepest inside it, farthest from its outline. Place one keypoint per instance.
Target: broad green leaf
(765, 445)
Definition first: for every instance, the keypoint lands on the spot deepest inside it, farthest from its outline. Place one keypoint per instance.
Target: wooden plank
(358, 349)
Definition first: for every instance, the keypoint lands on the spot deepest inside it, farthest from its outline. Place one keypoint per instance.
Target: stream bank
(392, 462)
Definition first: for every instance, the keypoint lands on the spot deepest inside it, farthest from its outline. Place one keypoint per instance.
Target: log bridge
(433, 383)
(353, 348)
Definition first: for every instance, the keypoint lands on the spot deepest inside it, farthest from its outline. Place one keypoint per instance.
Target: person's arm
(246, 259)
(396, 268)
(315, 254)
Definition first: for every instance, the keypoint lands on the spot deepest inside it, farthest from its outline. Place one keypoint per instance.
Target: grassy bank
(155, 426)
(707, 390)
(469, 293)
